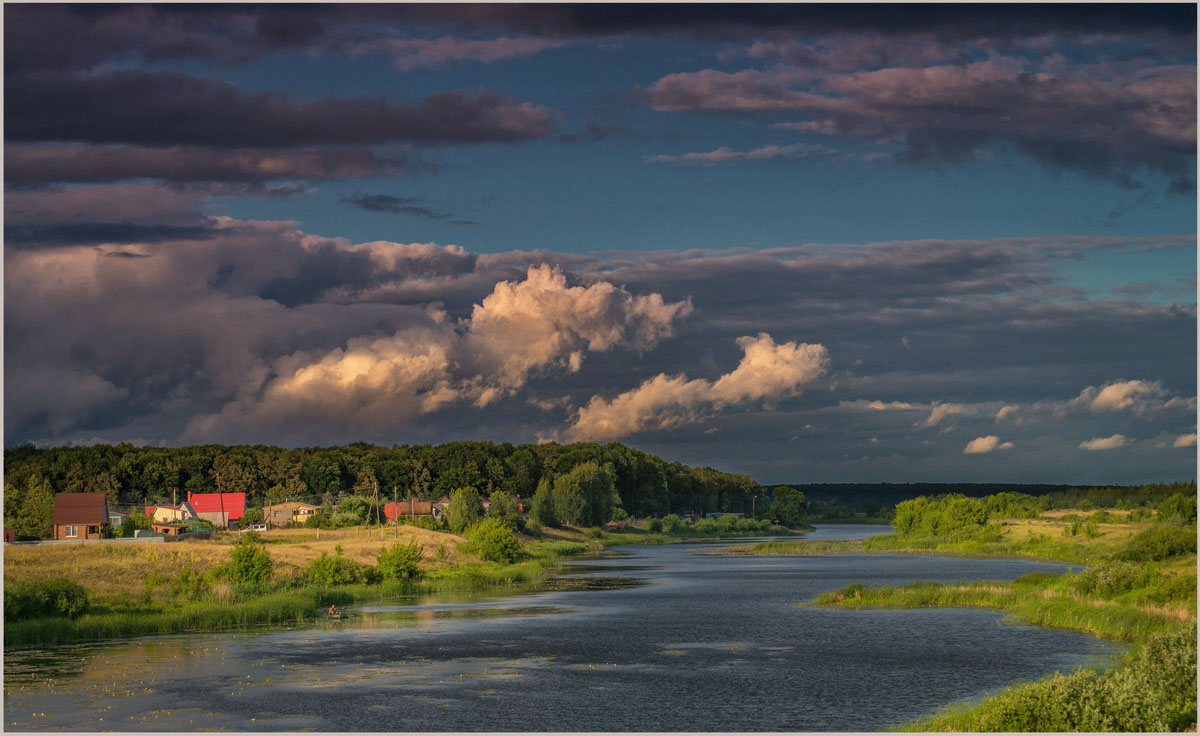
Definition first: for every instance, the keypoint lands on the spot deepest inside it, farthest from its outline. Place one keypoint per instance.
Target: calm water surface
(700, 643)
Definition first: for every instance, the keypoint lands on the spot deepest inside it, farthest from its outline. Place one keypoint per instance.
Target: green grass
(1042, 548)
(1026, 603)
(1142, 600)
(258, 608)
(1154, 689)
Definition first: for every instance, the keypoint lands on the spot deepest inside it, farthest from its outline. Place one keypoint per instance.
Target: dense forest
(644, 485)
(843, 500)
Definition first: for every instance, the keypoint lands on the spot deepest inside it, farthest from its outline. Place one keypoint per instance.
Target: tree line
(593, 482)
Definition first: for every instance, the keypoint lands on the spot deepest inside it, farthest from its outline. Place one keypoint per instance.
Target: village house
(219, 508)
(289, 513)
(166, 513)
(80, 515)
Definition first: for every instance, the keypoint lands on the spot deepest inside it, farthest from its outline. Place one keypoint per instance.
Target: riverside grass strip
(296, 604)
(1153, 687)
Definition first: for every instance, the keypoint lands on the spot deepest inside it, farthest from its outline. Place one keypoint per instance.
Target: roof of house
(407, 508)
(233, 504)
(183, 505)
(291, 505)
(80, 508)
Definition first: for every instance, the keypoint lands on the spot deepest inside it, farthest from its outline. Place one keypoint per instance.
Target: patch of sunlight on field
(124, 572)
(1019, 530)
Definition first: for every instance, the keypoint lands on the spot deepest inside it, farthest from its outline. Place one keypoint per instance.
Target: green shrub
(1166, 590)
(656, 525)
(466, 508)
(1154, 690)
(425, 522)
(1179, 507)
(493, 541)
(1111, 579)
(44, 598)
(926, 516)
(595, 532)
(400, 562)
(249, 561)
(188, 585)
(336, 570)
(1159, 542)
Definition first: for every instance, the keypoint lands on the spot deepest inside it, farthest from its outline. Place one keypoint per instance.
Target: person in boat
(333, 610)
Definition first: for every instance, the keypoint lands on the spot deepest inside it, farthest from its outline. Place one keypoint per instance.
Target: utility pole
(396, 506)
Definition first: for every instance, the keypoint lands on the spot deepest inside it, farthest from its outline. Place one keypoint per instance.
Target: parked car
(256, 528)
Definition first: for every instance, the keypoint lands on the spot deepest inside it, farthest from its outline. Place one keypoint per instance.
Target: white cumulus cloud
(981, 445)
(767, 372)
(1105, 443)
(1185, 440)
(522, 329)
(941, 412)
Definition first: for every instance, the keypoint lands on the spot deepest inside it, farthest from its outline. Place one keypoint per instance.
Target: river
(695, 643)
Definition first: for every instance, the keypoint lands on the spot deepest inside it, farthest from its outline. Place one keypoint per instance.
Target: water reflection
(671, 640)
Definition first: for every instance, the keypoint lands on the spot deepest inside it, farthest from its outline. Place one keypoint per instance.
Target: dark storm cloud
(161, 327)
(81, 36)
(1102, 120)
(394, 205)
(91, 233)
(168, 108)
(34, 164)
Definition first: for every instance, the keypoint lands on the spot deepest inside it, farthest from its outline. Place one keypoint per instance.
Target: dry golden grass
(1022, 529)
(299, 547)
(119, 571)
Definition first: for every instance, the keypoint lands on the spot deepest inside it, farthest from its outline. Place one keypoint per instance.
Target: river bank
(660, 649)
(163, 589)
(1139, 589)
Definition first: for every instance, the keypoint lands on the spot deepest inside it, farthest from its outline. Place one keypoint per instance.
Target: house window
(71, 531)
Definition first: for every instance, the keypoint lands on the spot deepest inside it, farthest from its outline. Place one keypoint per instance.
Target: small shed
(80, 515)
(168, 529)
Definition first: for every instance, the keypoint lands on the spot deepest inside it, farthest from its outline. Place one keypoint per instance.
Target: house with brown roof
(80, 515)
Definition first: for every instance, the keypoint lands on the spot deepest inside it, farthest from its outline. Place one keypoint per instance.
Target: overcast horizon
(811, 243)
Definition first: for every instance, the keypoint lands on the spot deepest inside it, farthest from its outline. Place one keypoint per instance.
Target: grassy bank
(236, 609)
(1045, 538)
(1152, 688)
(1139, 588)
(179, 587)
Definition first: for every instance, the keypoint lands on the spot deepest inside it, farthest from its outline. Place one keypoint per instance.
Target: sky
(807, 242)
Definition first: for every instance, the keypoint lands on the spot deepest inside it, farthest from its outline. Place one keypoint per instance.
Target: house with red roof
(80, 515)
(219, 508)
